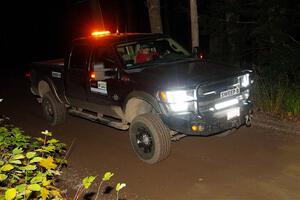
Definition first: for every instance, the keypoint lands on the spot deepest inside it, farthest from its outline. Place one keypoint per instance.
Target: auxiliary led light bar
(226, 104)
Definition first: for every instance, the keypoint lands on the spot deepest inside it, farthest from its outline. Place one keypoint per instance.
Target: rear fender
(46, 85)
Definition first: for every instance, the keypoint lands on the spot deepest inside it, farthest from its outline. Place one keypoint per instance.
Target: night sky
(33, 30)
(36, 30)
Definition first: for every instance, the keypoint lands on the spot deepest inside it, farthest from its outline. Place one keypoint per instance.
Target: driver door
(76, 80)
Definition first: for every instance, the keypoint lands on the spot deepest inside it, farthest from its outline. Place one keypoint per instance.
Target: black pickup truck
(146, 83)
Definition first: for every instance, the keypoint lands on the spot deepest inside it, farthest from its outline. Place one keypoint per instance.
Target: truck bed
(57, 62)
(50, 71)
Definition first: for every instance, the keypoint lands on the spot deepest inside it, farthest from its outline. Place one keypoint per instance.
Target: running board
(100, 119)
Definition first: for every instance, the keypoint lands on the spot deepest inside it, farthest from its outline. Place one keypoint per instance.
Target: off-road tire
(53, 111)
(158, 135)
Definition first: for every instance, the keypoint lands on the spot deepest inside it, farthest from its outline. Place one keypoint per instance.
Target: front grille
(209, 94)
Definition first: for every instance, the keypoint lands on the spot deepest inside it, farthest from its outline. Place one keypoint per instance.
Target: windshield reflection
(143, 53)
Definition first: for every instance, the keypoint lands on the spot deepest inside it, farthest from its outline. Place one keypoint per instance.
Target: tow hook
(248, 120)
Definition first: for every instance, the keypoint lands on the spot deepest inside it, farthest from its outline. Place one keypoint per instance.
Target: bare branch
(67, 155)
(239, 22)
(250, 22)
(292, 38)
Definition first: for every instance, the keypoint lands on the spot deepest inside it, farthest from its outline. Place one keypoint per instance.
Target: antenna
(101, 16)
(117, 24)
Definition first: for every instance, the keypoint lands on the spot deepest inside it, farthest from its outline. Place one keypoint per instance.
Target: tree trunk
(166, 17)
(154, 16)
(231, 30)
(194, 23)
(130, 25)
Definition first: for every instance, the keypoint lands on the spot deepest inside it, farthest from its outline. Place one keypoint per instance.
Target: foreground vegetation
(30, 166)
(277, 95)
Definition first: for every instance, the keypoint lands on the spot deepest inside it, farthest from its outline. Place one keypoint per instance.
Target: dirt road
(253, 163)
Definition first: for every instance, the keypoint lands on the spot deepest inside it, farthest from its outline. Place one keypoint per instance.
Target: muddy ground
(253, 163)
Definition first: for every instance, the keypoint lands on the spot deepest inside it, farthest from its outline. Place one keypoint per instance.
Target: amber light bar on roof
(100, 33)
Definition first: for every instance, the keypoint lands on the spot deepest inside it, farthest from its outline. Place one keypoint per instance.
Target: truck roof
(115, 38)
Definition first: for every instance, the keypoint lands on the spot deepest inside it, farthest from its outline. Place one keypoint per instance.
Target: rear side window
(104, 55)
(79, 57)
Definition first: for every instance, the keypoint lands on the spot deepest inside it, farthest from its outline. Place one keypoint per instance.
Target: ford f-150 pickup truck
(146, 83)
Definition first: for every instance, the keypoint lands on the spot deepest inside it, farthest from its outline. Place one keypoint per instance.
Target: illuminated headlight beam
(178, 96)
(179, 100)
(245, 80)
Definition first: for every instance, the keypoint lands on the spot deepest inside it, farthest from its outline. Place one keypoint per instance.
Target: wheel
(150, 138)
(54, 111)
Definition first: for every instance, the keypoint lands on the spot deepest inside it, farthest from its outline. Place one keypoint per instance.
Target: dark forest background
(231, 31)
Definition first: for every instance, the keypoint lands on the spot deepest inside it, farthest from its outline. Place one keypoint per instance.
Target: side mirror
(198, 53)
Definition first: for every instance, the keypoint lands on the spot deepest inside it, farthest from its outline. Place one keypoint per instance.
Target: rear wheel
(150, 138)
(54, 111)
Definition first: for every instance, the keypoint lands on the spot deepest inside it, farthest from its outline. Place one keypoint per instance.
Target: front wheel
(150, 138)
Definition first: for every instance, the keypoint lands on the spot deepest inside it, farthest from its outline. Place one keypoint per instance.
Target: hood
(183, 74)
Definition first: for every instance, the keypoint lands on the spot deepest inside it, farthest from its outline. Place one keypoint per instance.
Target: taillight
(201, 55)
(93, 75)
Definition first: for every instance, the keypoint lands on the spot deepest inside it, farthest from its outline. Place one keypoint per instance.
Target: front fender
(143, 96)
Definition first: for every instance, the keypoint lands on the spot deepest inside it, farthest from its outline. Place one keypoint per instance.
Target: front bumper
(211, 122)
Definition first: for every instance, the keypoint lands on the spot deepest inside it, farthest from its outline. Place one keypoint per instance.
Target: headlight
(178, 96)
(179, 100)
(244, 80)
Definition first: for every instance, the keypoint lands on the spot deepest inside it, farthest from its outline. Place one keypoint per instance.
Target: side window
(79, 57)
(104, 64)
(128, 52)
(105, 56)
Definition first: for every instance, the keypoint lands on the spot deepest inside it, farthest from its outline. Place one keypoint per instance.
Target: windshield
(143, 53)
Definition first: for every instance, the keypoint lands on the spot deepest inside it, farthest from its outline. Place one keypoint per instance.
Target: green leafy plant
(119, 187)
(29, 166)
(88, 181)
(292, 102)
(107, 176)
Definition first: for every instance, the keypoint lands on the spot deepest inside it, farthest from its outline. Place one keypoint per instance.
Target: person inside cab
(144, 54)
